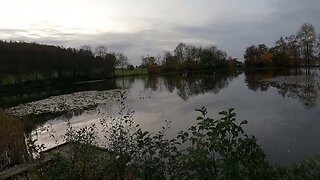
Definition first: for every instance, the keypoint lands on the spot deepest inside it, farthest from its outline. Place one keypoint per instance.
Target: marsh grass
(13, 148)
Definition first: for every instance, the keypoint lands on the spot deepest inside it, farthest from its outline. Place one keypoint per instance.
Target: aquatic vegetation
(63, 103)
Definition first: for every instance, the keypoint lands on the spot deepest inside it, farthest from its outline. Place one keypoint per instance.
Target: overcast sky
(140, 27)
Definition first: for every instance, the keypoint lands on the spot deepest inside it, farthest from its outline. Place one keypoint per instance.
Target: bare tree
(307, 39)
(87, 49)
(293, 49)
(101, 51)
(121, 61)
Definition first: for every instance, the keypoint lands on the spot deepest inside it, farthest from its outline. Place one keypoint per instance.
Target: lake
(281, 106)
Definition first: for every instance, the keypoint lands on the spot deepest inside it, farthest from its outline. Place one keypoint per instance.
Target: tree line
(24, 62)
(189, 58)
(301, 49)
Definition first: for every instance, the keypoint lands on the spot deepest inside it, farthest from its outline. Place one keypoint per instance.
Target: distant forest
(26, 62)
(186, 58)
(22, 62)
(301, 49)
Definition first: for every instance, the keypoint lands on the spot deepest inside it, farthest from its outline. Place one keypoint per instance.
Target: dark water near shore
(281, 106)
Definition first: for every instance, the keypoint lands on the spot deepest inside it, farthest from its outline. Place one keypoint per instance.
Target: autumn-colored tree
(267, 59)
(258, 56)
(151, 64)
(288, 51)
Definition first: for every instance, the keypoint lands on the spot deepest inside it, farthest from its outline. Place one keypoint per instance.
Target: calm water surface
(282, 107)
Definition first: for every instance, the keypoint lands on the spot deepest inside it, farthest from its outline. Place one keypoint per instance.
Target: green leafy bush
(82, 160)
(211, 149)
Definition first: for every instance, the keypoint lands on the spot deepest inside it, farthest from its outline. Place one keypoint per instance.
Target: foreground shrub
(211, 149)
(81, 159)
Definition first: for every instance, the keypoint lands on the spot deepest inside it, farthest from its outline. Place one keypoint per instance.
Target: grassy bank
(133, 72)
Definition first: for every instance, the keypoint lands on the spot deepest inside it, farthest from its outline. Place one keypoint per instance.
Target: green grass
(134, 72)
(10, 78)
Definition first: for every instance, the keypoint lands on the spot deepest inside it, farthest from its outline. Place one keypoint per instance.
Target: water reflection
(289, 83)
(186, 85)
(280, 106)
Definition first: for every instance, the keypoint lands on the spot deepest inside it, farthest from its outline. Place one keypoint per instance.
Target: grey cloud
(10, 31)
(135, 45)
(231, 31)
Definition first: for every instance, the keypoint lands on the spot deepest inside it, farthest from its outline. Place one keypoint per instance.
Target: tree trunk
(308, 59)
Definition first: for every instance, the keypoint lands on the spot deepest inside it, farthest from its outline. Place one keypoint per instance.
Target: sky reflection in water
(281, 107)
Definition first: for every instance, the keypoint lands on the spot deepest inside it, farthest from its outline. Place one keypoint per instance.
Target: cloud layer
(151, 26)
